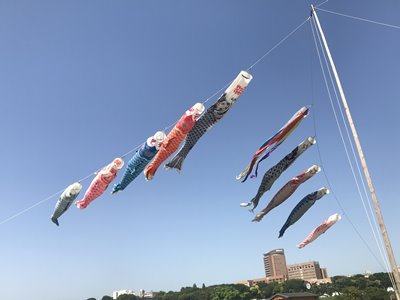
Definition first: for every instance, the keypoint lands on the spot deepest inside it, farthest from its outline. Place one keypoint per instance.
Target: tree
(293, 286)
(374, 293)
(267, 290)
(203, 286)
(91, 299)
(127, 297)
(341, 282)
(383, 278)
(255, 292)
(225, 293)
(353, 293)
(361, 282)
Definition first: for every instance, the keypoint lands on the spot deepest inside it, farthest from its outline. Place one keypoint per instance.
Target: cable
(355, 158)
(165, 129)
(29, 208)
(378, 242)
(348, 157)
(346, 150)
(281, 41)
(321, 4)
(253, 65)
(320, 158)
(360, 19)
(384, 258)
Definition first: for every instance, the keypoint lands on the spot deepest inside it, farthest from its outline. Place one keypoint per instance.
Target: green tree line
(357, 287)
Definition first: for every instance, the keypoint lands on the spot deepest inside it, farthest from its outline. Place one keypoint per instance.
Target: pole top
(312, 10)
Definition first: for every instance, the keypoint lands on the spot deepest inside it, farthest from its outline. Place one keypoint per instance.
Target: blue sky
(86, 81)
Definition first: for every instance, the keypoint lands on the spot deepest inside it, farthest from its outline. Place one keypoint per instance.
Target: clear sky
(83, 82)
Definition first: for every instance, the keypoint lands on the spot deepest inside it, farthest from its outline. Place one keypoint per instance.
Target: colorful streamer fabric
(302, 207)
(174, 138)
(324, 226)
(287, 190)
(100, 183)
(215, 113)
(270, 145)
(65, 201)
(140, 160)
(273, 174)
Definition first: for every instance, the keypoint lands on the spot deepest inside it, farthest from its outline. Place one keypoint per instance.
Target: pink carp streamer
(100, 183)
(174, 138)
(270, 145)
(320, 230)
(287, 190)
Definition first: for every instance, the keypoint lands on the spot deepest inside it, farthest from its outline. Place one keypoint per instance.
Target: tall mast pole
(382, 226)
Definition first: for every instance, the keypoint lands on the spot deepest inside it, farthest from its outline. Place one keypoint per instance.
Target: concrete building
(116, 294)
(253, 282)
(147, 295)
(324, 272)
(275, 263)
(308, 271)
(276, 270)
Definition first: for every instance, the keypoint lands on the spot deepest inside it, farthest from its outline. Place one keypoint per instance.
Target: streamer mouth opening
(246, 75)
(316, 169)
(118, 163)
(156, 140)
(312, 140)
(196, 111)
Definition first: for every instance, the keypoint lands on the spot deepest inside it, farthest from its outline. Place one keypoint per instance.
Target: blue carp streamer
(140, 160)
(302, 207)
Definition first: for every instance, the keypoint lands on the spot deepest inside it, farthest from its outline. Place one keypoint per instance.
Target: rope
(165, 129)
(371, 212)
(29, 208)
(341, 135)
(278, 44)
(348, 157)
(321, 4)
(322, 164)
(360, 19)
(130, 151)
(374, 231)
(204, 102)
(355, 159)
(249, 68)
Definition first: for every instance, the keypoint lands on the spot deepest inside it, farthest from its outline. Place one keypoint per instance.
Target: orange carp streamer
(174, 138)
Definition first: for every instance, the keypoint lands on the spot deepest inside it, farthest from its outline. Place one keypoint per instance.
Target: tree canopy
(357, 287)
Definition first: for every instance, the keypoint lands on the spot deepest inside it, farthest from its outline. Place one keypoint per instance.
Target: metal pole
(382, 226)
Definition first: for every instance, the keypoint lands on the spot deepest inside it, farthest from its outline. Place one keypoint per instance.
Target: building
(116, 294)
(294, 296)
(275, 263)
(308, 271)
(147, 295)
(253, 282)
(324, 272)
(276, 270)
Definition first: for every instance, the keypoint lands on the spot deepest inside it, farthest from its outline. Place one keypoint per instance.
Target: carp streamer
(215, 113)
(270, 145)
